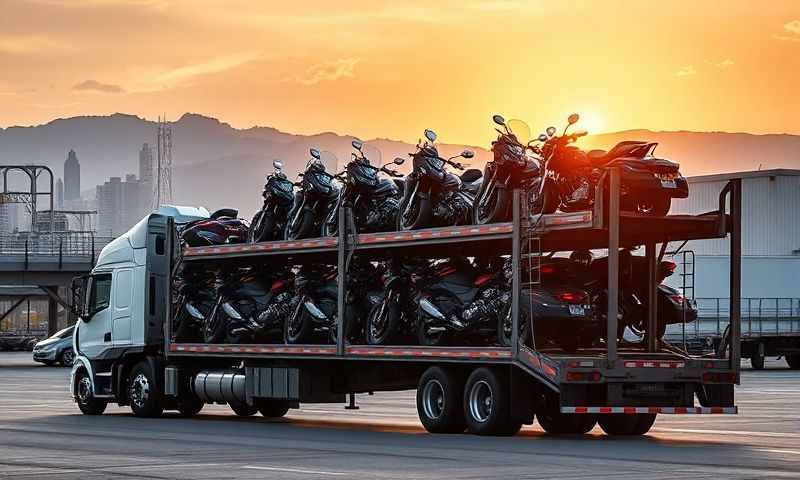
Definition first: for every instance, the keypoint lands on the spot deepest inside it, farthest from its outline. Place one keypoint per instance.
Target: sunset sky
(390, 69)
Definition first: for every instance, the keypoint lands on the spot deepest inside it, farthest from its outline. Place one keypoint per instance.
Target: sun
(591, 121)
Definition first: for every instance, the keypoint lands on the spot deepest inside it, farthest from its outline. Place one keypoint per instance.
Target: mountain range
(217, 165)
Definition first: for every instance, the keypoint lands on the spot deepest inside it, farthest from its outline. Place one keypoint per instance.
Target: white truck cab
(121, 299)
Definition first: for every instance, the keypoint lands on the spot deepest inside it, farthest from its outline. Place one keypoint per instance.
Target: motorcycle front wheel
(299, 326)
(300, 229)
(261, 228)
(494, 209)
(414, 216)
(383, 323)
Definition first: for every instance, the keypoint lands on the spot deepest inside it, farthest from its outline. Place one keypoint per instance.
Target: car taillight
(547, 269)
(571, 297)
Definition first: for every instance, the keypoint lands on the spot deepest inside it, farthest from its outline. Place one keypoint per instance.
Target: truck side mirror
(78, 289)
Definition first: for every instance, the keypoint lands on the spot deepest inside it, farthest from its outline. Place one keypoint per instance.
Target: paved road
(42, 435)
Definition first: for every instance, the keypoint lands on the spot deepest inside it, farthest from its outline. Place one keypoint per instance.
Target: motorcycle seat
(599, 157)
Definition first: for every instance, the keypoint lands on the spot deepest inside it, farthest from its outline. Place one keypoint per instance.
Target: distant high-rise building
(120, 204)
(72, 178)
(59, 194)
(146, 164)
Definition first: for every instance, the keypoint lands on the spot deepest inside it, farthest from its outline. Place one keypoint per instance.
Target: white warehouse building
(770, 242)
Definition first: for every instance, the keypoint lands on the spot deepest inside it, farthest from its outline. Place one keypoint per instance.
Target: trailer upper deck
(556, 232)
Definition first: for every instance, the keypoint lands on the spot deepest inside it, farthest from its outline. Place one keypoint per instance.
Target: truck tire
(624, 424)
(794, 361)
(88, 404)
(557, 423)
(439, 406)
(487, 404)
(757, 361)
(243, 409)
(189, 406)
(144, 395)
(273, 408)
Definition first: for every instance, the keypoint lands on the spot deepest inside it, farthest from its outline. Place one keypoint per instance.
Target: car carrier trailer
(489, 390)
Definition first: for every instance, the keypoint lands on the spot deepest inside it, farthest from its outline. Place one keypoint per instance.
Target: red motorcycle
(648, 183)
(221, 228)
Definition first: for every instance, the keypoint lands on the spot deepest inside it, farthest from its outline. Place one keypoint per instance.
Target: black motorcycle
(374, 200)
(648, 183)
(510, 168)
(315, 313)
(316, 197)
(192, 302)
(437, 301)
(269, 223)
(432, 197)
(462, 301)
(247, 307)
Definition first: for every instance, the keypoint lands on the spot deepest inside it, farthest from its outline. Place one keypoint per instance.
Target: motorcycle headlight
(516, 150)
(436, 163)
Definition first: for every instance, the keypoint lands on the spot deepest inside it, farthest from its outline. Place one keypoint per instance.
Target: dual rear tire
(447, 403)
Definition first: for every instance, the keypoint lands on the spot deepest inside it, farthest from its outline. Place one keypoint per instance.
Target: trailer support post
(736, 272)
(515, 267)
(613, 265)
(652, 302)
(341, 270)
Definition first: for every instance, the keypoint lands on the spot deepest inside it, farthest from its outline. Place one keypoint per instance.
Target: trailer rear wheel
(487, 404)
(794, 361)
(624, 424)
(439, 395)
(273, 408)
(556, 423)
(243, 409)
(144, 395)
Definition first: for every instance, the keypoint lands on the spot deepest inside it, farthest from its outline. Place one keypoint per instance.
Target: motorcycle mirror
(357, 144)
(277, 164)
(498, 119)
(573, 118)
(430, 135)
(551, 131)
(315, 153)
(399, 161)
(542, 137)
(467, 154)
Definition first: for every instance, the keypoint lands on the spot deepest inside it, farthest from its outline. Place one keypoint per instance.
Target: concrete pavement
(43, 435)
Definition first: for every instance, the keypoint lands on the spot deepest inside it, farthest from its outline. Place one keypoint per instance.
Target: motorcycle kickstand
(351, 405)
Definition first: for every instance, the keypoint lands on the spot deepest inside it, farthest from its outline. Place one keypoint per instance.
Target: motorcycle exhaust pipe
(431, 309)
(315, 311)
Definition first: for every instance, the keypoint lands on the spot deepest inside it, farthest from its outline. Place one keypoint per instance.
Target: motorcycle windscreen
(521, 130)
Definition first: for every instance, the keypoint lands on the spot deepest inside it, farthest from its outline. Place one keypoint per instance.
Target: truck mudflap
(640, 410)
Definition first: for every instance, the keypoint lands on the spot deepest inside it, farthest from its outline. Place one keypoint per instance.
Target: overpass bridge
(42, 265)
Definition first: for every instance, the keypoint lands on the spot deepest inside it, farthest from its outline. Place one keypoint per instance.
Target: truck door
(94, 333)
(121, 316)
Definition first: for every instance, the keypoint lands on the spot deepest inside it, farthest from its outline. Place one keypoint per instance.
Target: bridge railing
(65, 245)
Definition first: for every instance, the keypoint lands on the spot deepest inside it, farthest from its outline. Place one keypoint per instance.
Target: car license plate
(576, 310)
(668, 184)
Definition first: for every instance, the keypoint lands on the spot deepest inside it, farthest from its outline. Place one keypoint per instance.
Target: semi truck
(126, 352)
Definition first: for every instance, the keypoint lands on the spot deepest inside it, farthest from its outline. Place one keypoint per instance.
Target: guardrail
(61, 245)
(761, 316)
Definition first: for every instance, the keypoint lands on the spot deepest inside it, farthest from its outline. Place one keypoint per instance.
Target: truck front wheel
(87, 402)
(439, 405)
(143, 392)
